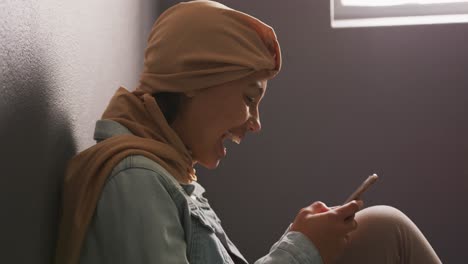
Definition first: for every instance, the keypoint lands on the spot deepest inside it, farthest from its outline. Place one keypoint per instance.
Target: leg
(386, 235)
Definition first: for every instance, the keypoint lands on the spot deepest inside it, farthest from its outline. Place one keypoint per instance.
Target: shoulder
(138, 168)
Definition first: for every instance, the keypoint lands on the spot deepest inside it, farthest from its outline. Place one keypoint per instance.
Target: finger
(349, 218)
(360, 204)
(319, 207)
(347, 227)
(348, 209)
(350, 225)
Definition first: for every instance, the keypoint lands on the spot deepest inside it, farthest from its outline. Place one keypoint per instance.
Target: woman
(133, 197)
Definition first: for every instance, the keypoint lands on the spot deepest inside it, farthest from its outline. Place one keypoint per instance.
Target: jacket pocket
(199, 219)
(205, 245)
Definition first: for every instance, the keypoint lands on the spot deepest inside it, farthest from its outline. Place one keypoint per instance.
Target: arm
(293, 247)
(318, 235)
(136, 221)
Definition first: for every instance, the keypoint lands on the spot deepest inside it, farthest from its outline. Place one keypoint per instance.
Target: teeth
(234, 138)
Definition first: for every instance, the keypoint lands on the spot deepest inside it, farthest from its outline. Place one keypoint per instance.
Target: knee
(385, 212)
(383, 216)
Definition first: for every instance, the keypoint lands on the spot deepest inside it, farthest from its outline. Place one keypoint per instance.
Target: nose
(254, 124)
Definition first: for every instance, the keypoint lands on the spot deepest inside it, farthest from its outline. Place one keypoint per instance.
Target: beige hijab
(192, 46)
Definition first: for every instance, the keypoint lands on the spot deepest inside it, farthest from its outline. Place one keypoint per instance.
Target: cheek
(220, 115)
(236, 113)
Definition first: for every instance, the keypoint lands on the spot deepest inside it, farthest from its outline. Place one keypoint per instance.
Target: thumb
(350, 208)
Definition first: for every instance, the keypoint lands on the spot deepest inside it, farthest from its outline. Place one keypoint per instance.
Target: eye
(250, 99)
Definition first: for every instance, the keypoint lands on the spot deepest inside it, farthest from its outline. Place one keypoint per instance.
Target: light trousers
(386, 235)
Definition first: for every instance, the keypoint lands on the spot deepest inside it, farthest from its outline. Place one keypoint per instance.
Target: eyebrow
(260, 89)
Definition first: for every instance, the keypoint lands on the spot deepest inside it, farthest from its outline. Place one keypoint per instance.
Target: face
(206, 117)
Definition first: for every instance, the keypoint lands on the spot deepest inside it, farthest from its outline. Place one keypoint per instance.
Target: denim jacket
(145, 216)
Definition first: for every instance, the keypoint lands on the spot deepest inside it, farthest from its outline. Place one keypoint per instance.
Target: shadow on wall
(165, 4)
(36, 141)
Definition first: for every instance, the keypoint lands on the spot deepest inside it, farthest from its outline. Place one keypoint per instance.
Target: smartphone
(362, 188)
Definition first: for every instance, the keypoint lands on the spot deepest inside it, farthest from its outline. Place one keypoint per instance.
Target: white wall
(60, 62)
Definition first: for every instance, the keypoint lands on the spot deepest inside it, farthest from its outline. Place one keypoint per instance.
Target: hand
(327, 228)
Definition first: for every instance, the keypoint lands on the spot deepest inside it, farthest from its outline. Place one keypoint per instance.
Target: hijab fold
(192, 46)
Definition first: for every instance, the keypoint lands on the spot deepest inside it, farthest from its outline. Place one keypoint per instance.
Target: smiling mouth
(234, 138)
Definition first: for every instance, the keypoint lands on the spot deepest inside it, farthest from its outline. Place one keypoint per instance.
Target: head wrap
(198, 44)
(192, 46)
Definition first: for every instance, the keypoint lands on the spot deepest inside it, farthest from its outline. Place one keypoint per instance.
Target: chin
(209, 163)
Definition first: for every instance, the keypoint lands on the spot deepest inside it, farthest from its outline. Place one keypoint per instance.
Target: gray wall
(350, 102)
(60, 61)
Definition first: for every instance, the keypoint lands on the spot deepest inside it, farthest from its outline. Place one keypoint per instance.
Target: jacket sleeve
(292, 248)
(136, 221)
